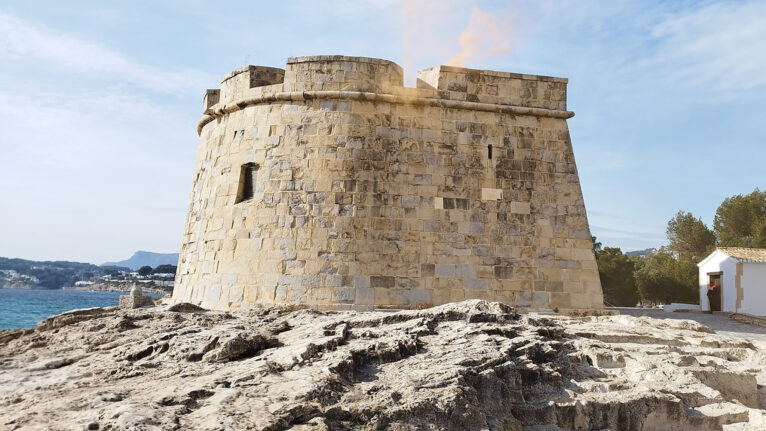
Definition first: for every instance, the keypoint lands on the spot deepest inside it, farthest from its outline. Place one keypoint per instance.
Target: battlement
(502, 88)
(236, 84)
(342, 73)
(372, 75)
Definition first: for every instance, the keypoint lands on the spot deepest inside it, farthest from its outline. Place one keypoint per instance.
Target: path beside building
(717, 322)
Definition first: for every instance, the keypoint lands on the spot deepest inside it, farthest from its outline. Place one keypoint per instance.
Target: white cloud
(718, 48)
(24, 41)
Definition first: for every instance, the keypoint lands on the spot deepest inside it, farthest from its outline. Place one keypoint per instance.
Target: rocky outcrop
(464, 366)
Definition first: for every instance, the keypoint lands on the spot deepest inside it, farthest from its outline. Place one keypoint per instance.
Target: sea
(21, 308)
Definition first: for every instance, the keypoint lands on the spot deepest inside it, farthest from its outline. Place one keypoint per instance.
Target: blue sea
(21, 308)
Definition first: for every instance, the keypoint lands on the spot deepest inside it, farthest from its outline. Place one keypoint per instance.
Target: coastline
(120, 287)
(97, 287)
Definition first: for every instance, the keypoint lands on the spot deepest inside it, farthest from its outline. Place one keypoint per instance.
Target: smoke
(486, 36)
(427, 31)
(423, 24)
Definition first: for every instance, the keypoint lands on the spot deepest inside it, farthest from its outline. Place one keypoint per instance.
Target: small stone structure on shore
(136, 299)
(329, 183)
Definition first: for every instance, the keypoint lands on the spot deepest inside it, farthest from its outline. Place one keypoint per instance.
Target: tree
(164, 269)
(667, 277)
(145, 270)
(740, 221)
(596, 246)
(689, 235)
(617, 278)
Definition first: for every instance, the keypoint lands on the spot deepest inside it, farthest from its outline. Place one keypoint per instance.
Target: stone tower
(331, 184)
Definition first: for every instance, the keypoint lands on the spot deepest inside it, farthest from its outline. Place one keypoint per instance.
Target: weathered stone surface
(185, 307)
(472, 365)
(311, 177)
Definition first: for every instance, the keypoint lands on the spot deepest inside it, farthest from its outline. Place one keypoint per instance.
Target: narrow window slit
(247, 181)
(489, 152)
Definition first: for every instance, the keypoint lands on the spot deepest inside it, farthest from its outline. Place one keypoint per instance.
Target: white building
(740, 277)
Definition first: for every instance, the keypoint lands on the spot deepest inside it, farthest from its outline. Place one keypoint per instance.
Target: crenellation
(212, 97)
(238, 84)
(485, 86)
(370, 194)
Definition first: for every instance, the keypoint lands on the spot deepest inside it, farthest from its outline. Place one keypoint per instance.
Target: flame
(485, 36)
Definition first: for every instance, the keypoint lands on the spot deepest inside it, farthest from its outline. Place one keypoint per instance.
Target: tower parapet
(237, 84)
(502, 88)
(330, 184)
(342, 73)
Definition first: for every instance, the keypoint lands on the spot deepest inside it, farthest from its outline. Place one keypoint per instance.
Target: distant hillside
(30, 274)
(641, 253)
(142, 258)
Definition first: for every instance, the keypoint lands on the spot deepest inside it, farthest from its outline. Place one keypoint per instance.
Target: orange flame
(484, 37)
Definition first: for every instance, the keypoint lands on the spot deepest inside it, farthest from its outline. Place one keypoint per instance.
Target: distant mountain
(641, 253)
(142, 258)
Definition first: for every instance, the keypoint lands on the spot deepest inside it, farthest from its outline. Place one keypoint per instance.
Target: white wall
(719, 262)
(753, 284)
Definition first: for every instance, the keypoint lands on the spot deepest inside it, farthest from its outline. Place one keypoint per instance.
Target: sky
(99, 101)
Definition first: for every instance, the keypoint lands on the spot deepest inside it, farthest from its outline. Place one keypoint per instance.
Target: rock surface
(473, 365)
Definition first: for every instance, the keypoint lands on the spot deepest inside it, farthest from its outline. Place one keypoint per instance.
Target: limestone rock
(472, 365)
(185, 307)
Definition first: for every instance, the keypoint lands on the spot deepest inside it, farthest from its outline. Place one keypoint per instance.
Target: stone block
(491, 194)
(476, 284)
(129, 302)
(420, 296)
(365, 296)
(432, 225)
(541, 300)
(503, 272)
(236, 293)
(344, 295)
(382, 281)
(213, 293)
(410, 201)
(520, 208)
(524, 299)
(361, 282)
(465, 271)
(294, 294)
(444, 270)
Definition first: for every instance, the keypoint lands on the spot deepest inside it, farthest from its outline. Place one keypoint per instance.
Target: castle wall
(369, 194)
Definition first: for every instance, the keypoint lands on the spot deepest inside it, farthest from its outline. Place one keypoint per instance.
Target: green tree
(166, 269)
(668, 277)
(689, 235)
(596, 246)
(740, 221)
(617, 279)
(145, 270)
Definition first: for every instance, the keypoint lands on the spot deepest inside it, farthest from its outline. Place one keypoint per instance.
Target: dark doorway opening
(715, 295)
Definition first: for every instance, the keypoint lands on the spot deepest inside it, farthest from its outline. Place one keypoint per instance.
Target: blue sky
(99, 102)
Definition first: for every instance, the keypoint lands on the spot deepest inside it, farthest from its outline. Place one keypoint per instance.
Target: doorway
(715, 295)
